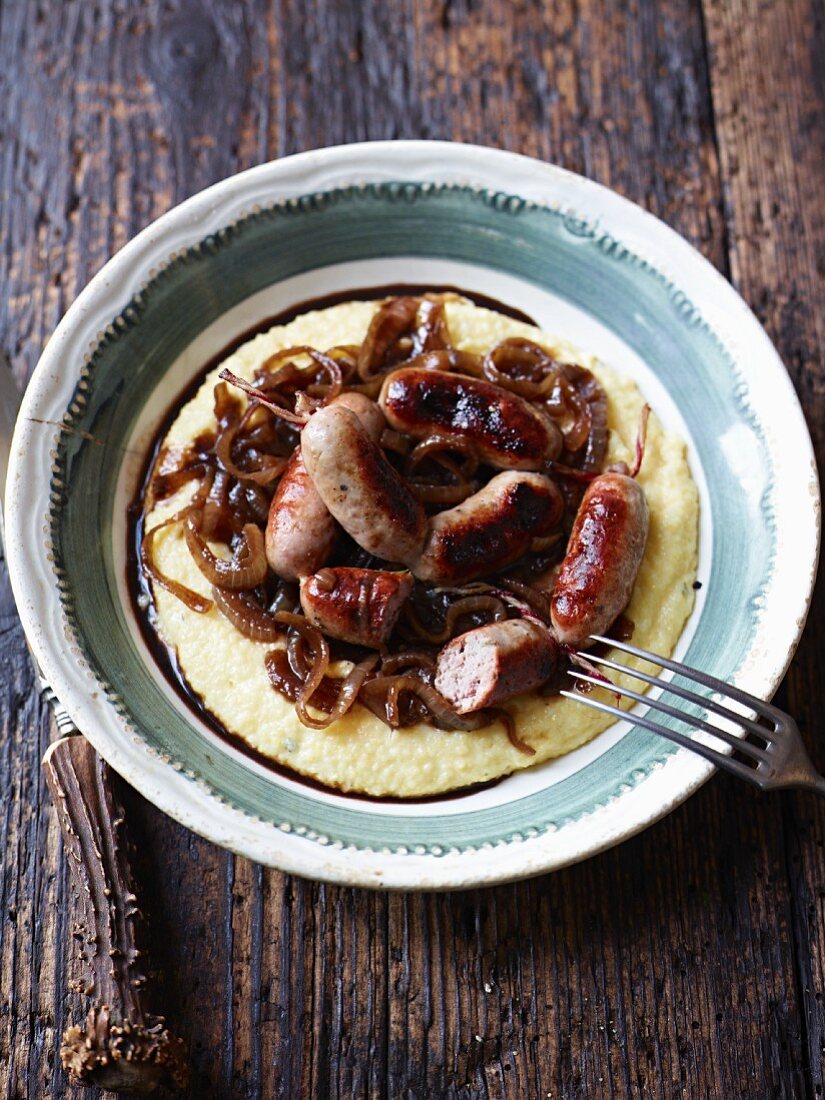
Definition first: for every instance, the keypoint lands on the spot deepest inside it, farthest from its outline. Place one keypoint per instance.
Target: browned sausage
(356, 605)
(603, 556)
(507, 431)
(300, 532)
(366, 410)
(489, 530)
(361, 489)
(494, 663)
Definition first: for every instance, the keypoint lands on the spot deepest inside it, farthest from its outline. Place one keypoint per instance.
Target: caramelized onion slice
(168, 479)
(468, 605)
(247, 568)
(346, 356)
(268, 470)
(440, 449)
(391, 440)
(641, 440)
(440, 710)
(446, 359)
(407, 659)
(521, 366)
(508, 721)
(439, 446)
(393, 320)
(320, 663)
(247, 616)
(299, 662)
(428, 492)
(562, 470)
(535, 600)
(193, 600)
(581, 412)
(281, 369)
(257, 501)
(431, 331)
(370, 389)
(350, 686)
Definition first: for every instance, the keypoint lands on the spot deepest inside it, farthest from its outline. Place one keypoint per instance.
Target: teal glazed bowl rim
(386, 207)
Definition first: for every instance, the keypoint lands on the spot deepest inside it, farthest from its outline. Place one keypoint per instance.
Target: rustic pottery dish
(587, 265)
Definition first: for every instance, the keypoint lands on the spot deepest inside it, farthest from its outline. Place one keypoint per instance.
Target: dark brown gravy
(140, 591)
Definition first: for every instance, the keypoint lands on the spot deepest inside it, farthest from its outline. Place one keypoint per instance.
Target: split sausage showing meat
(495, 662)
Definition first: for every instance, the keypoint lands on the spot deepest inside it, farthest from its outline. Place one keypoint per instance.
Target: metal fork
(778, 760)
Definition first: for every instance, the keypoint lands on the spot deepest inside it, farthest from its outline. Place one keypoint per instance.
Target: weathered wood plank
(90, 126)
(32, 892)
(769, 99)
(618, 129)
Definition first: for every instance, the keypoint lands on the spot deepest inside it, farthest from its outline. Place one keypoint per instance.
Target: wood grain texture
(690, 961)
(123, 1044)
(770, 120)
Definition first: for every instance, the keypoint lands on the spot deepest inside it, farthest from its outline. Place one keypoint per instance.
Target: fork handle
(815, 782)
(122, 1045)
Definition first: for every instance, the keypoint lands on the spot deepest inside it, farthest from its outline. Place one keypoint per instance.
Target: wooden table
(689, 961)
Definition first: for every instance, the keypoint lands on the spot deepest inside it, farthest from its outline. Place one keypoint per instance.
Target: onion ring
(440, 710)
(266, 474)
(193, 600)
(437, 443)
(540, 371)
(320, 650)
(247, 616)
(393, 320)
(408, 658)
(248, 566)
(468, 605)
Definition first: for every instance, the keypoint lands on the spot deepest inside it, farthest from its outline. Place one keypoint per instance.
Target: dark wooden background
(689, 961)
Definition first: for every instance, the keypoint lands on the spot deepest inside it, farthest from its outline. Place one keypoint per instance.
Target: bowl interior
(577, 282)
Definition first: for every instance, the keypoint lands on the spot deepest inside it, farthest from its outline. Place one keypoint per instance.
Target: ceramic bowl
(589, 266)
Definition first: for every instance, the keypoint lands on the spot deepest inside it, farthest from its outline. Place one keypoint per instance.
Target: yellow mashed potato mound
(359, 753)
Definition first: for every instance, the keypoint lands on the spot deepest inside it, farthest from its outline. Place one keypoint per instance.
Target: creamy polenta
(359, 752)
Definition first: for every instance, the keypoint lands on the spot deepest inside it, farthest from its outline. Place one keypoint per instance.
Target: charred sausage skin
(489, 530)
(360, 488)
(355, 605)
(300, 532)
(495, 662)
(506, 431)
(603, 556)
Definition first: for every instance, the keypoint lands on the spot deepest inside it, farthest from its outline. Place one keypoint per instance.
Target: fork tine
(747, 748)
(759, 705)
(726, 763)
(676, 689)
(718, 685)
